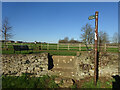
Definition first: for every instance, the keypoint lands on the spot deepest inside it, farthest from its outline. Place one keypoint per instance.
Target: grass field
(53, 49)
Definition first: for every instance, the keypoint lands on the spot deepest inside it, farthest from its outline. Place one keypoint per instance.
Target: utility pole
(96, 45)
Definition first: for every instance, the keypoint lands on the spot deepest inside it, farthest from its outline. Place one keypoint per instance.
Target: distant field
(54, 49)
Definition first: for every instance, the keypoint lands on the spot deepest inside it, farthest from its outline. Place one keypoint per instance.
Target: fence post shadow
(50, 62)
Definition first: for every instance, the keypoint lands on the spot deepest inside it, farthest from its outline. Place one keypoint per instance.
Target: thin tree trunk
(87, 47)
(5, 39)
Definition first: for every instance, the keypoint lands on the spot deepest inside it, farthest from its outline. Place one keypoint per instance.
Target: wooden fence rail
(49, 46)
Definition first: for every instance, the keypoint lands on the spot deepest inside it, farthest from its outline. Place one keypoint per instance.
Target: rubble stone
(17, 64)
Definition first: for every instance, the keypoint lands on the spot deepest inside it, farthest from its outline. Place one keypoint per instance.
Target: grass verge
(25, 81)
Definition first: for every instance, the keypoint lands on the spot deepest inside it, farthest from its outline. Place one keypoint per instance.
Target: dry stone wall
(82, 65)
(34, 64)
(107, 65)
(76, 67)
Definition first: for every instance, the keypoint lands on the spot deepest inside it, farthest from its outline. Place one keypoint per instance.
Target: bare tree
(73, 41)
(115, 38)
(103, 37)
(6, 30)
(87, 35)
(65, 40)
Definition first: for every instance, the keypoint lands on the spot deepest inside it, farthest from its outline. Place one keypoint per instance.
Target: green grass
(25, 81)
(100, 84)
(91, 84)
(63, 49)
(74, 86)
(112, 49)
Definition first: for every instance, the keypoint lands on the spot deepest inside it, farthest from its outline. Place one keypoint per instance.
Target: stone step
(65, 72)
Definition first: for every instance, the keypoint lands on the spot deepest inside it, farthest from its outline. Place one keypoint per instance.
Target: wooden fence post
(119, 47)
(92, 46)
(48, 46)
(31, 47)
(41, 46)
(79, 47)
(57, 46)
(105, 47)
(68, 47)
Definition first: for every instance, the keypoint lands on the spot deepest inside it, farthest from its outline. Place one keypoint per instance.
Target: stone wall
(34, 64)
(82, 65)
(76, 67)
(107, 64)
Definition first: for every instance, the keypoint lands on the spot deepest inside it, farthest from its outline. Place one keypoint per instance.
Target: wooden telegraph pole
(96, 45)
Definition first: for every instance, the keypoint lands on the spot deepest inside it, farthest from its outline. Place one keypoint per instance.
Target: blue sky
(51, 21)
